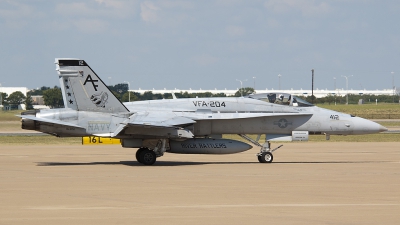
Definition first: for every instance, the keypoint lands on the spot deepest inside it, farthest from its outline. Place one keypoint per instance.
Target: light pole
(241, 86)
(279, 75)
(347, 88)
(1, 98)
(254, 87)
(334, 79)
(393, 84)
(334, 83)
(129, 93)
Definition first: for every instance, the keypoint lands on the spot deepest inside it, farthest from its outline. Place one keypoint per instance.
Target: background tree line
(53, 98)
(353, 99)
(15, 99)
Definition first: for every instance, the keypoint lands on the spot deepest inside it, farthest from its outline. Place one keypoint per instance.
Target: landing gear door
(202, 128)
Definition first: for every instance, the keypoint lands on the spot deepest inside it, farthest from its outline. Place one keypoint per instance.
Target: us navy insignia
(282, 123)
(89, 79)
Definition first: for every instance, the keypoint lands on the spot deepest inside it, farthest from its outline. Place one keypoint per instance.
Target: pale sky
(204, 44)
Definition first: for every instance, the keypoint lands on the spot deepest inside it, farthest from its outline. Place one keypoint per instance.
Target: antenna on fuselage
(312, 86)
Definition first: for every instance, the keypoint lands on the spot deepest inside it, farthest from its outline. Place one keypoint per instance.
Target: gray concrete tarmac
(308, 183)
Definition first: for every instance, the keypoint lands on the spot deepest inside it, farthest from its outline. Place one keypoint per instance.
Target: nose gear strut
(265, 154)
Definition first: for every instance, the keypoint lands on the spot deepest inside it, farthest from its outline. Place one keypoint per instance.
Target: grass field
(368, 111)
(389, 124)
(10, 115)
(38, 140)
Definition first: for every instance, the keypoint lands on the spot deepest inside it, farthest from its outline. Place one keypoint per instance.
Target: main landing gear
(146, 156)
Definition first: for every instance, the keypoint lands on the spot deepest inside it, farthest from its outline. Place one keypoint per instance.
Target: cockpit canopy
(281, 99)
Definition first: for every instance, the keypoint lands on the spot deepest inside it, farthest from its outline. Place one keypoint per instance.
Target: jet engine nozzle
(28, 124)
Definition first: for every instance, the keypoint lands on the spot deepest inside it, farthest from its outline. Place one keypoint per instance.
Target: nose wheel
(265, 154)
(265, 157)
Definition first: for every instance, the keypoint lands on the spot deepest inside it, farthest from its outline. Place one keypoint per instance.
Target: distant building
(37, 100)
(317, 93)
(10, 90)
(162, 91)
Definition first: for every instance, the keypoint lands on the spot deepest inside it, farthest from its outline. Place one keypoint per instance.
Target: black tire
(147, 157)
(266, 157)
(140, 150)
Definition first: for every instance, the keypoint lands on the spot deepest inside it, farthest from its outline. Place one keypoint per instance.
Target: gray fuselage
(213, 116)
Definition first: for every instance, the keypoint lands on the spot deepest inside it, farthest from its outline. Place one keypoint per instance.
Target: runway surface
(308, 183)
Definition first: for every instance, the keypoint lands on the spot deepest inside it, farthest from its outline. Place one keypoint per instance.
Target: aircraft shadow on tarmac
(135, 163)
(183, 163)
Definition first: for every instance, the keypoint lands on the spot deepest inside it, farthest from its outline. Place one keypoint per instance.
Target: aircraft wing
(159, 120)
(240, 115)
(179, 120)
(173, 122)
(59, 122)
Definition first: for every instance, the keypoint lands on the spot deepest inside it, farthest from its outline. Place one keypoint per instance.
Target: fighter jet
(186, 126)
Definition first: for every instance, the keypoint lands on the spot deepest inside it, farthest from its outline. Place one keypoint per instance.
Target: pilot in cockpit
(283, 100)
(271, 97)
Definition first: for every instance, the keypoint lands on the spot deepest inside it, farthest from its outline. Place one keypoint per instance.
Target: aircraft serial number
(209, 104)
(334, 117)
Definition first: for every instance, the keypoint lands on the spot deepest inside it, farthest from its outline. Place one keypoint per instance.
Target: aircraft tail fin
(83, 90)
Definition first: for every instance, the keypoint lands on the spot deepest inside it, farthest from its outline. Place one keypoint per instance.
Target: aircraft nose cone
(382, 128)
(364, 126)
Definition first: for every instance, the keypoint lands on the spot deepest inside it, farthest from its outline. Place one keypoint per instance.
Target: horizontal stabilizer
(58, 122)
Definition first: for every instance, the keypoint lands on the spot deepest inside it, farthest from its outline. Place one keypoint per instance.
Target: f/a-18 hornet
(188, 126)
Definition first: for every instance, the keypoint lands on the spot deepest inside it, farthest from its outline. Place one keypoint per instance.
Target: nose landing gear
(265, 157)
(265, 154)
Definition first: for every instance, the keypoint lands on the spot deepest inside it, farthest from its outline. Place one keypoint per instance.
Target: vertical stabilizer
(83, 90)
